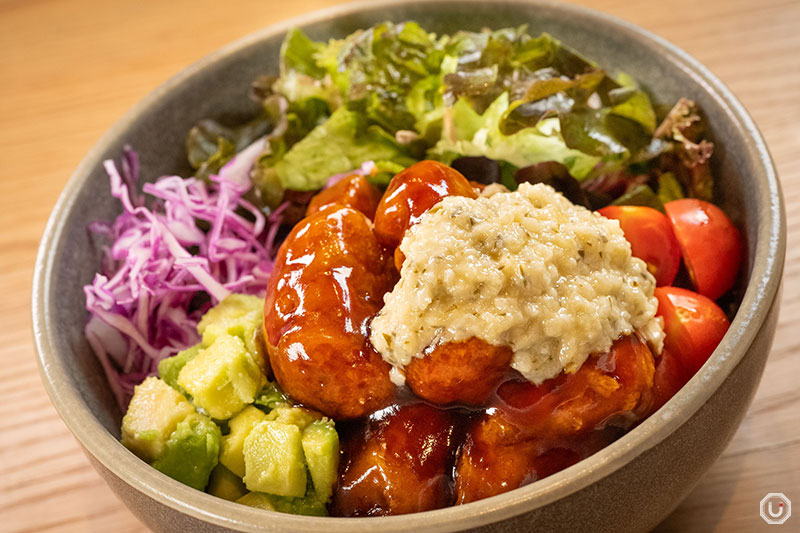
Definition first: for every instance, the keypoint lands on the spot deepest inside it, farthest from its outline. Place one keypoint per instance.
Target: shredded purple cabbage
(142, 303)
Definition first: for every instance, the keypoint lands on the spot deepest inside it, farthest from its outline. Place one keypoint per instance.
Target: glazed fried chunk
(504, 449)
(464, 372)
(329, 280)
(400, 463)
(412, 192)
(351, 191)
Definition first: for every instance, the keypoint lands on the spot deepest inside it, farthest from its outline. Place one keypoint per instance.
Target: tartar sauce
(525, 269)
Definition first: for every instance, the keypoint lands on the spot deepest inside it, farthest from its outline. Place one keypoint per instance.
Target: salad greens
(341, 143)
(395, 93)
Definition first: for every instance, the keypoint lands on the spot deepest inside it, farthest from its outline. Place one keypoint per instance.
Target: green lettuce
(340, 144)
(394, 93)
(210, 144)
(375, 69)
(298, 54)
(467, 133)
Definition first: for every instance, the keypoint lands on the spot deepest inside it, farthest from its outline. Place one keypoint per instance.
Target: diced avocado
(240, 315)
(273, 460)
(191, 451)
(321, 449)
(222, 378)
(271, 396)
(232, 452)
(154, 412)
(309, 506)
(170, 367)
(225, 484)
(258, 500)
(296, 416)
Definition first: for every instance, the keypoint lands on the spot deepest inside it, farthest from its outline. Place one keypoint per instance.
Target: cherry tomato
(693, 324)
(651, 237)
(711, 244)
(668, 379)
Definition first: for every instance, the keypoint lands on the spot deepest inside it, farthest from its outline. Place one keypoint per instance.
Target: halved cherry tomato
(711, 244)
(693, 324)
(651, 237)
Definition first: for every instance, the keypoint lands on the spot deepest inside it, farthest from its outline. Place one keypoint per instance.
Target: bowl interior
(217, 87)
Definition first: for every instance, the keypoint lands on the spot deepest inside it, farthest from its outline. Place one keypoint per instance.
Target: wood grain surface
(69, 69)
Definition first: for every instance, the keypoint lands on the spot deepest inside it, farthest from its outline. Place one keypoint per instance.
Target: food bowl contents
(711, 244)
(514, 441)
(494, 261)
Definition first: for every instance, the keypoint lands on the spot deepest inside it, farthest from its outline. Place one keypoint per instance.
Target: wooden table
(69, 69)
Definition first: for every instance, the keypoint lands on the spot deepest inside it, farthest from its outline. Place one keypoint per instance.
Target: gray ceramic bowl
(630, 485)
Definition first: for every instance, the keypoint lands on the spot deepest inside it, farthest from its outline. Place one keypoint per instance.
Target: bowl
(630, 485)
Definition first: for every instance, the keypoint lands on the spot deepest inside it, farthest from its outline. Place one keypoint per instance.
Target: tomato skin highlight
(651, 237)
(710, 243)
(694, 325)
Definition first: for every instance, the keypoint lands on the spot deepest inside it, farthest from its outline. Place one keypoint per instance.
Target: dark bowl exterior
(630, 485)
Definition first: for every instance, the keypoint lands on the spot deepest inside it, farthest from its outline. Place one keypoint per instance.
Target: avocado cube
(309, 505)
(321, 449)
(240, 315)
(225, 484)
(232, 451)
(191, 451)
(257, 500)
(169, 368)
(273, 460)
(296, 416)
(154, 412)
(222, 378)
(271, 396)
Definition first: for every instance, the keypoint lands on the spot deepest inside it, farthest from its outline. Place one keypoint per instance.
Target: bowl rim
(759, 296)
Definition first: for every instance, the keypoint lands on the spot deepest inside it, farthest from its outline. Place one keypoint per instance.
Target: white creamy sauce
(526, 269)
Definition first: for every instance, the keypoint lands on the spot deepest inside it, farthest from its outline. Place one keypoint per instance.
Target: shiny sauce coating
(328, 282)
(351, 191)
(513, 442)
(463, 372)
(398, 462)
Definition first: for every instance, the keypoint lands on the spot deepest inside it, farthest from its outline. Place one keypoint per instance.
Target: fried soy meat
(495, 460)
(328, 283)
(508, 445)
(400, 463)
(352, 191)
(412, 192)
(464, 372)
(456, 372)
